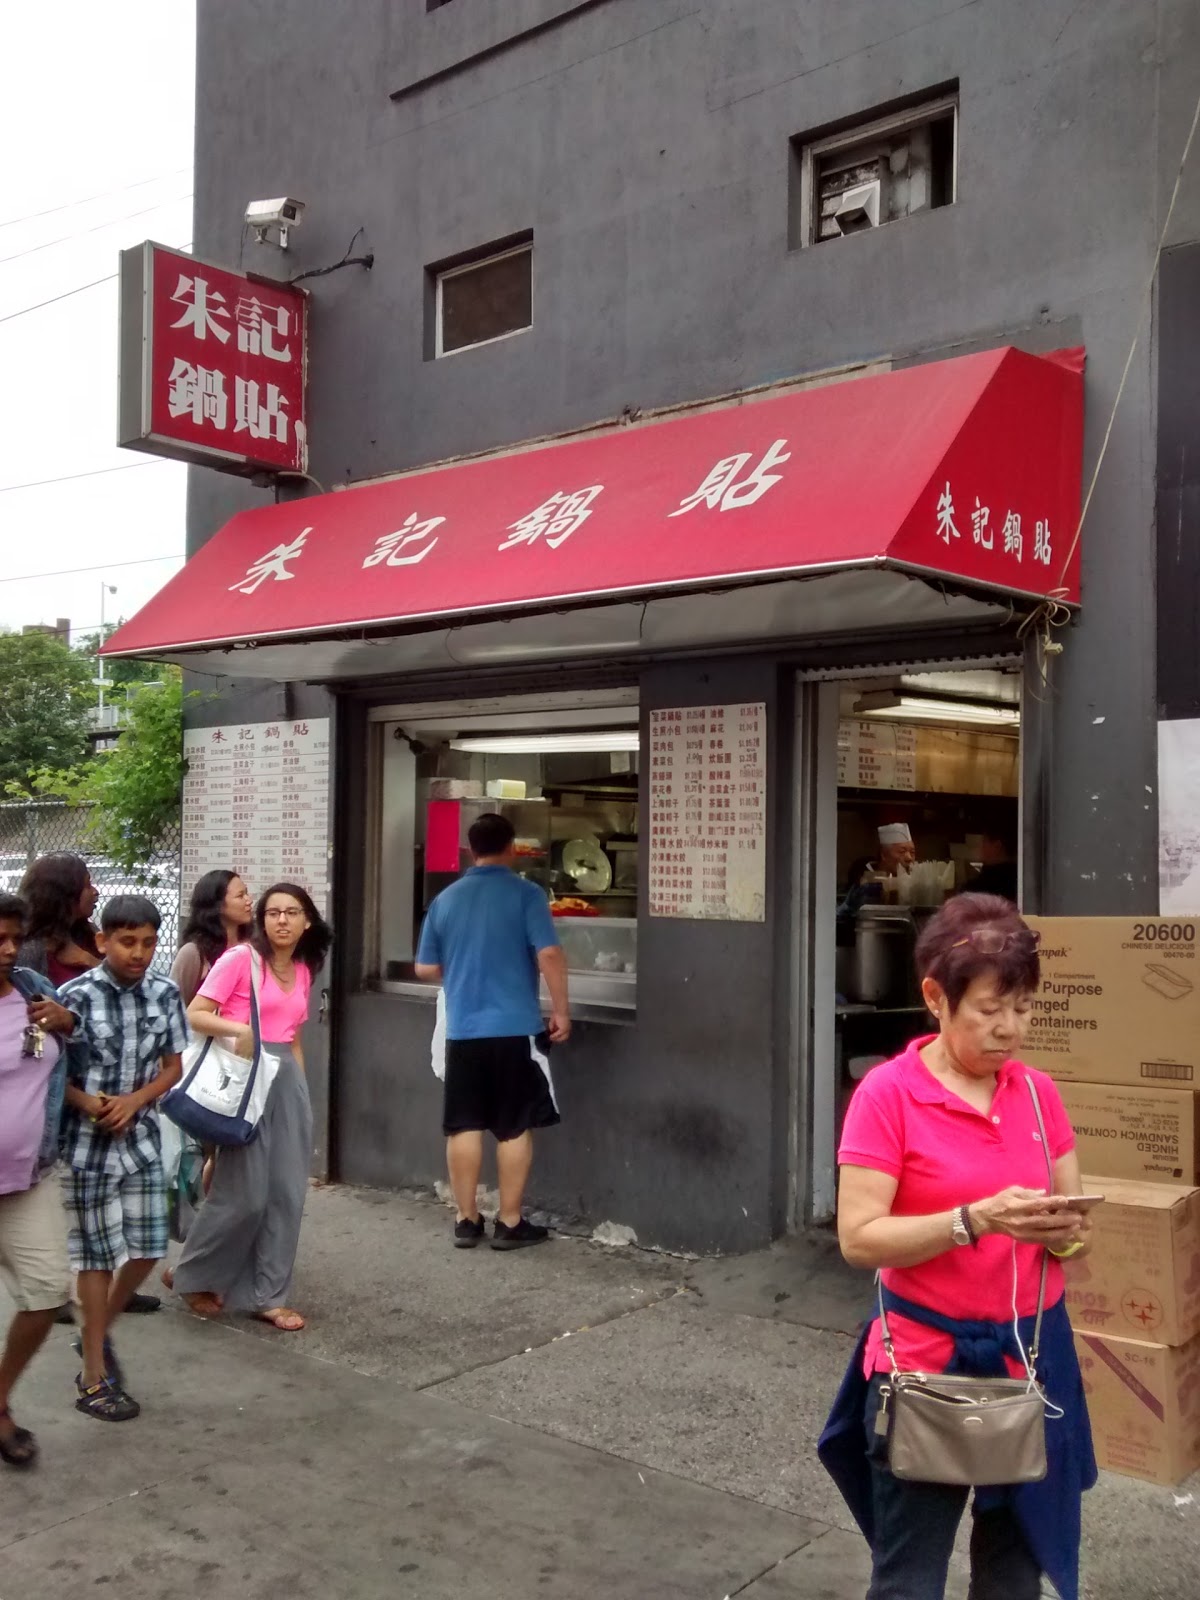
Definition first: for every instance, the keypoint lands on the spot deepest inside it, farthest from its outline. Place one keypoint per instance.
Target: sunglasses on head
(994, 941)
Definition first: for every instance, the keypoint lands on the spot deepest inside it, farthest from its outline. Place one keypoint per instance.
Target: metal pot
(884, 937)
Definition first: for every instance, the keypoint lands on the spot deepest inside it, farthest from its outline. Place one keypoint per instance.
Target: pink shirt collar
(929, 1090)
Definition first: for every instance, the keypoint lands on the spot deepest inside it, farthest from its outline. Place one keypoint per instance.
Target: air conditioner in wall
(858, 208)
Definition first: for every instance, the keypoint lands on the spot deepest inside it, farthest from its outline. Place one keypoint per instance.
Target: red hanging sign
(213, 364)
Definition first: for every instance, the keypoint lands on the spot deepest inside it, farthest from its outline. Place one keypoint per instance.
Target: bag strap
(1041, 1122)
(255, 993)
(255, 1028)
(885, 1333)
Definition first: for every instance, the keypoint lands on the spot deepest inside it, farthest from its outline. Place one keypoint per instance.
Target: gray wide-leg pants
(242, 1245)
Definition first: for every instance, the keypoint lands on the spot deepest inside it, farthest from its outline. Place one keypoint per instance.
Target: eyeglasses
(994, 942)
(291, 913)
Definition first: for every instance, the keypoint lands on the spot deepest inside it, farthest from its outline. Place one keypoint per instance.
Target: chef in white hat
(896, 852)
(896, 848)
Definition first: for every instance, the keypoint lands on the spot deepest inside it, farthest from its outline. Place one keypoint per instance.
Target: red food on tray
(569, 906)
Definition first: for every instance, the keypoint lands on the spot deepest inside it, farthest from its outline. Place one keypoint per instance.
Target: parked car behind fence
(29, 829)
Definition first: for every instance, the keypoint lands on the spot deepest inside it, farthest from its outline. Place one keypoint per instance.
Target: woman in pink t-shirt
(947, 1187)
(241, 1250)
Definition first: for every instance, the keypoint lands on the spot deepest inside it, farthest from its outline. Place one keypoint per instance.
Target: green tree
(119, 673)
(135, 788)
(45, 692)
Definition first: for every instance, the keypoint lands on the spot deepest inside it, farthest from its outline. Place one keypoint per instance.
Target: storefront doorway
(909, 792)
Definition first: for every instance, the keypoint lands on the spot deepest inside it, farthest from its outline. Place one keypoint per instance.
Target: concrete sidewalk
(570, 1421)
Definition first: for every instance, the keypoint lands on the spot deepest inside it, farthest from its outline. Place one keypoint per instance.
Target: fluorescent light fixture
(515, 744)
(925, 708)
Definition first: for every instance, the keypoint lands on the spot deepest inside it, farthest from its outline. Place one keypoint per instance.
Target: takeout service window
(567, 780)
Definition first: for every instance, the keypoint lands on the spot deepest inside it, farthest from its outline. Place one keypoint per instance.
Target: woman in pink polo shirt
(945, 1187)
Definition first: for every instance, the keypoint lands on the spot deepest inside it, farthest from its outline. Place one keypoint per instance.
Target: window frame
(490, 258)
(808, 155)
(503, 713)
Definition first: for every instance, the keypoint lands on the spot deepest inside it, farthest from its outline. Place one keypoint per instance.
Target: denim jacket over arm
(32, 985)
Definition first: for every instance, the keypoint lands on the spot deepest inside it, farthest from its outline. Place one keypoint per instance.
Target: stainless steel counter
(595, 996)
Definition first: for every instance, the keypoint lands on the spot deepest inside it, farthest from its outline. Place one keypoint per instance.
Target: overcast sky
(96, 106)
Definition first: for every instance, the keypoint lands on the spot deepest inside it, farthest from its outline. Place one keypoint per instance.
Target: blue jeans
(915, 1525)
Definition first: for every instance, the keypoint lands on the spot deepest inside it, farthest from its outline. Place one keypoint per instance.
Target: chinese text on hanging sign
(212, 364)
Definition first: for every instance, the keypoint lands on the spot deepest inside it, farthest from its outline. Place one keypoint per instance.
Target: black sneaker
(467, 1234)
(105, 1401)
(516, 1238)
(112, 1367)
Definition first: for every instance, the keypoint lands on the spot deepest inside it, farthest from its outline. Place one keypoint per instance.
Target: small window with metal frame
(483, 298)
(862, 175)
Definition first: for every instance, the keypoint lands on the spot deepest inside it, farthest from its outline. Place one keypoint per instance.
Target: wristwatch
(960, 1226)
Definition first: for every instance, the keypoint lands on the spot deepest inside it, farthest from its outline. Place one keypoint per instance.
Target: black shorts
(498, 1086)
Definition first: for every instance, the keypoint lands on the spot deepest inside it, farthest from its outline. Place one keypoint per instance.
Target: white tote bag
(221, 1097)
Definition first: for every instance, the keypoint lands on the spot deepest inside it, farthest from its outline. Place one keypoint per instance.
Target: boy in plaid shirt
(132, 1025)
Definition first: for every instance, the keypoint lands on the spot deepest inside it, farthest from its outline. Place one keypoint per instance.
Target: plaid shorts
(116, 1217)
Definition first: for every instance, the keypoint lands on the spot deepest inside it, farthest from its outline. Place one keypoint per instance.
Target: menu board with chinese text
(708, 780)
(256, 800)
(876, 755)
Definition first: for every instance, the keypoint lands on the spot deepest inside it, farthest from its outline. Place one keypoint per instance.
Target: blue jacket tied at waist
(1050, 1511)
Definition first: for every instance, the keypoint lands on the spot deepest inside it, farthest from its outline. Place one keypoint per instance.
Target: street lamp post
(101, 681)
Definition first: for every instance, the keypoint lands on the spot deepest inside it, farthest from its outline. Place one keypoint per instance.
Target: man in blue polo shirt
(487, 939)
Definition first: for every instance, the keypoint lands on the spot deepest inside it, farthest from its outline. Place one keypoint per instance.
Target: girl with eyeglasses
(241, 1250)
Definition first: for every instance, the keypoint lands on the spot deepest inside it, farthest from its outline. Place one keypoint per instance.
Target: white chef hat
(895, 833)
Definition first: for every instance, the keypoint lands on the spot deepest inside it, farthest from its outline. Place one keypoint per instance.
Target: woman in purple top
(33, 1233)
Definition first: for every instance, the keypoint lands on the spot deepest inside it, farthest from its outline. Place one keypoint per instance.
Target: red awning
(965, 471)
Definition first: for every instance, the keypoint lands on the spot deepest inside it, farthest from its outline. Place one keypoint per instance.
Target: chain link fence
(29, 829)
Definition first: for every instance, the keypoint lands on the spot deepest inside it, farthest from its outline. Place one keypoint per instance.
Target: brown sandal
(283, 1318)
(203, 1305)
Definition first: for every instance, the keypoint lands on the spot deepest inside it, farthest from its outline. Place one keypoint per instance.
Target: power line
(98, 227)
(69, 205)
(67, 293)
(99, 566)
(54, 298)
(70, 477)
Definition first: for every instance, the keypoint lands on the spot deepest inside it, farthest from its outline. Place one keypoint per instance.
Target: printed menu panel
(256, 799)
(876, 755)
(708, 813)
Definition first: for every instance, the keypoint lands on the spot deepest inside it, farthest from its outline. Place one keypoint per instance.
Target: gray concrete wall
(646, 145)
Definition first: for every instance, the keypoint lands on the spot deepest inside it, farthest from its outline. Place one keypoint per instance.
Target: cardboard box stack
(1117, 1024)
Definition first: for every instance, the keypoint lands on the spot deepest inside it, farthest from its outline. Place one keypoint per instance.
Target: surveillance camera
(279, 216)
